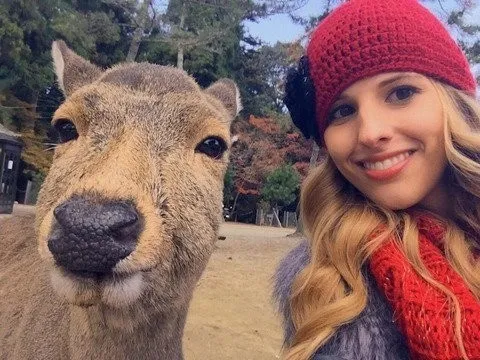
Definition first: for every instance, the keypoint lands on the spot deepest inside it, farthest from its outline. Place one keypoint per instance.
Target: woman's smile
(389, 168)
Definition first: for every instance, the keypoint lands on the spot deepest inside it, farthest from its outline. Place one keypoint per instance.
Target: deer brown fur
(139, 129)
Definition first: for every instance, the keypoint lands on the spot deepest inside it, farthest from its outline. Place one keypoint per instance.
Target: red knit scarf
(423, 313)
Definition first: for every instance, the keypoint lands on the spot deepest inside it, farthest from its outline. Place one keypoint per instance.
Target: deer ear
(72, 70)
(227, 92)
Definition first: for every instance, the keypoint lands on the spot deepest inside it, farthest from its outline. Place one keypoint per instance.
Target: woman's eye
(213, 147)
(66, 130)
(340, 112)
(401, 93)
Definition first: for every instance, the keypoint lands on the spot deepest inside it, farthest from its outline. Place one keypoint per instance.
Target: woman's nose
(374, 126)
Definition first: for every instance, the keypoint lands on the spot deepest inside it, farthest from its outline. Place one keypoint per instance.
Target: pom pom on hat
(300, 99)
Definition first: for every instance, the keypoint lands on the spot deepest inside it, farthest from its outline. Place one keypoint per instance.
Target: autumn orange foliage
(262, 147)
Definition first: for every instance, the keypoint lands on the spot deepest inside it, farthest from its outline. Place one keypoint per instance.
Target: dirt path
(231, 315)
(18, 210)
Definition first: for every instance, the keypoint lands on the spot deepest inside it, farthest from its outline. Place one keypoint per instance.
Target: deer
(126, 218)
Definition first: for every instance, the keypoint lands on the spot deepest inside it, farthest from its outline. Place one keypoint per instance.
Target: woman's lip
(387, 174)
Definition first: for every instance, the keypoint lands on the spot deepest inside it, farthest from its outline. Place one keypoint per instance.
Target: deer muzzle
(90, 236)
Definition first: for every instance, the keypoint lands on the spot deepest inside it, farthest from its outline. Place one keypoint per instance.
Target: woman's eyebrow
(395, 78)
(342, 96)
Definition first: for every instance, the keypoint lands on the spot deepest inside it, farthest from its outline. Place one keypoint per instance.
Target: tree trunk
(235, 205)
(142, 18)
(313, 162)
(180, 58)
(180, 54)
(134, 45)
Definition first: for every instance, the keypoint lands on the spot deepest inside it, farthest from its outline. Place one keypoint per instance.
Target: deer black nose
(90, 237)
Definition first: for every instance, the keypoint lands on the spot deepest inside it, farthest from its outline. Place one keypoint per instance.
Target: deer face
(130, 209)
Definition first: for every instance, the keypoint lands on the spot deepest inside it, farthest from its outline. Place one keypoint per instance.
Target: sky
(280, 27)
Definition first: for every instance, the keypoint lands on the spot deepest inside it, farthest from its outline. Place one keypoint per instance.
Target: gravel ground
(231, 315)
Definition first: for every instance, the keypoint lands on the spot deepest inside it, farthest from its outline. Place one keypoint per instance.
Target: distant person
(391, 267)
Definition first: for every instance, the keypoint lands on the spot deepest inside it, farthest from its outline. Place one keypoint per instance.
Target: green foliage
(23, 63)
(5, 112)
(27, 29)
(263, 73)
(14, 51)
(215, 45)
(85, 31)
(280, 186)
(209, 36)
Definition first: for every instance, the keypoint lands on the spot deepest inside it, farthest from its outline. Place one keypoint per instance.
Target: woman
(392, 216)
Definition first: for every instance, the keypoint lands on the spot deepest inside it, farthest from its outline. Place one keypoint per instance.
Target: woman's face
(385, 135)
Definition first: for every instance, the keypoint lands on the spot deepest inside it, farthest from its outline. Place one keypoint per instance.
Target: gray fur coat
(372, 336)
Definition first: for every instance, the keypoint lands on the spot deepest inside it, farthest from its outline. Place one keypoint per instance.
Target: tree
(263, 145)
(263, 76)
(280, 188)
(470, 41)
(262, 8)
(197, 24)
(141, 21)
(310, 23)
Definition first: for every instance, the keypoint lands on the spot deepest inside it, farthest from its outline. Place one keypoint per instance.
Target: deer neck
(101, 333)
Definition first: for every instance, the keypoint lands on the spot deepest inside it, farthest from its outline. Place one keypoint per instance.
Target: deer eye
(66, 130)
(213, 147)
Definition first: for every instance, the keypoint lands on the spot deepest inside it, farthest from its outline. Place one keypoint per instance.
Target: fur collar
(372, 336)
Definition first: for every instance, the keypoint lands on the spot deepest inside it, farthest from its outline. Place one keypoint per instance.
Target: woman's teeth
(387, 163)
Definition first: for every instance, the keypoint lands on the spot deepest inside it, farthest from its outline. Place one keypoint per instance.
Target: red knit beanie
(362, 38)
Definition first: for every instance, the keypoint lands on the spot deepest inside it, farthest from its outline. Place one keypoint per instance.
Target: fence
(268, 218)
